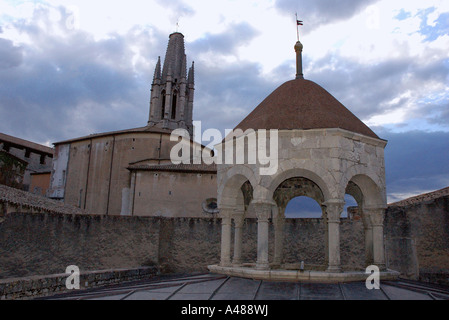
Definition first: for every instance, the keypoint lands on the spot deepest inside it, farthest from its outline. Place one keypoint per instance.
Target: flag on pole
(299, 22)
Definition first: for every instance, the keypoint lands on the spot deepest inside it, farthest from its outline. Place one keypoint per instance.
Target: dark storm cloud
(227, 94)
(416, 161)
(320, 12)
(74, 85)
(226, 42)
(369, 89)
(10, 55)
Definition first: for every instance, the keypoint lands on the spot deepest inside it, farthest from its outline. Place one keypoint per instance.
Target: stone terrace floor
(219, 287)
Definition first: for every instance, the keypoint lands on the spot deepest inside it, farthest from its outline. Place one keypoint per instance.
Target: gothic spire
(157, 70)
(191, 78)
(174, 56)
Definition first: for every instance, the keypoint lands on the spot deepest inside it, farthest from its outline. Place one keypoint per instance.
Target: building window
(163, 105)
(173, 105)
(210, 206)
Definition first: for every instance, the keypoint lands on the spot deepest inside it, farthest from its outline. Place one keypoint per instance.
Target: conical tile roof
(303, 104)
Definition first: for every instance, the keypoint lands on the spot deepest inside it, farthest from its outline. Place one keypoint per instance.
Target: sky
(73, 68)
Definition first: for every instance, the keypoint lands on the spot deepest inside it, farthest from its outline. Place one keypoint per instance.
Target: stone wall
(44, 243)
(48, 285)
(417, 237)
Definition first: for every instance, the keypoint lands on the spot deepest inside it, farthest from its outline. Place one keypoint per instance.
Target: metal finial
(298, 23)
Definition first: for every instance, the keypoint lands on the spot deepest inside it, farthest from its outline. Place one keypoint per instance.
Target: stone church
(129, 172)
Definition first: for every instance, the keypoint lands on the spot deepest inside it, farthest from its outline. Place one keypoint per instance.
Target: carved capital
(239, 218)
(263, 211)
(375, 215)
(366, 221)
(226, 215)
(334, 208)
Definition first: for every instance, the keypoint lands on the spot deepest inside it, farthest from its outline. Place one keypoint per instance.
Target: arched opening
(351, 209)
(361, 194)
(173, 105)
(164, 99)
(302, 240)
(234, 202)
(302, 207)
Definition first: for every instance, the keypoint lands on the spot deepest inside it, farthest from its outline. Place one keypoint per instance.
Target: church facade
(129, 172)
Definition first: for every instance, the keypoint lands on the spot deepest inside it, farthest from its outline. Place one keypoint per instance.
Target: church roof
(186, 168)
(303, 104)
(147, 129)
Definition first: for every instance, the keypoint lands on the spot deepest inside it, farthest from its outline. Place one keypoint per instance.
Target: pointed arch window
(163, 105)
(173, 105)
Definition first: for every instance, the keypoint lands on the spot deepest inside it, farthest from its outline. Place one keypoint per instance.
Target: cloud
(64, 83)
(435, 29)
(179, 8)
(415, 162)
(401, 85)
(224, 43)
(320, 12)
(58, 82)
(226, 94)
(10, 55)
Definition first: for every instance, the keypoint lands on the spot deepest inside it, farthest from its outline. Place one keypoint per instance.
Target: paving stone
(191, 296)
(278, 291)
(148, 295)
(240, 285)
(329, 291)
(403, 294)
(202, 287)
(358, 291)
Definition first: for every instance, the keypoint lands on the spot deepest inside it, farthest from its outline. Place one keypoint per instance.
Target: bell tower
(172, 90)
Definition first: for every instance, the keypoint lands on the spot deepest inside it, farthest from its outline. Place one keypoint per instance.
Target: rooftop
(303, 104)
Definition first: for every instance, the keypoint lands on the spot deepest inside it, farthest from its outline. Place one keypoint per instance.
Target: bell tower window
(173, 105)
(163, 105)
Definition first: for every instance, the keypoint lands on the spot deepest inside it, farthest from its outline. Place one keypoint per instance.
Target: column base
(262, 266)
(237, 263)
(275, 265)
(333, 269)
(381, 266)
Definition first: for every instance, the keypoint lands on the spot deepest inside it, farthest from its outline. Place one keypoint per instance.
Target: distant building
(40, 182)
(20, 159)
(129, 172)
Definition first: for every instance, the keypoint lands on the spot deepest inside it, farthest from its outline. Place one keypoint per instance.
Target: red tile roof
(303, 104)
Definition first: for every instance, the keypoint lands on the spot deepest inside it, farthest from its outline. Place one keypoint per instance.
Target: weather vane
(298, 23)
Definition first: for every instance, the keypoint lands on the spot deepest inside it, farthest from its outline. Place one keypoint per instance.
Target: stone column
(377, 221)
(333, 210)
(263, 213)
(278, 220)
(326, 235)
(226, 216)
(368, 238)
(239, 219)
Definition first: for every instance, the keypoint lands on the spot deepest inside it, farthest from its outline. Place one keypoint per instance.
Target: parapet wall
(40, 243)
(48, 285)
(417, 239)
